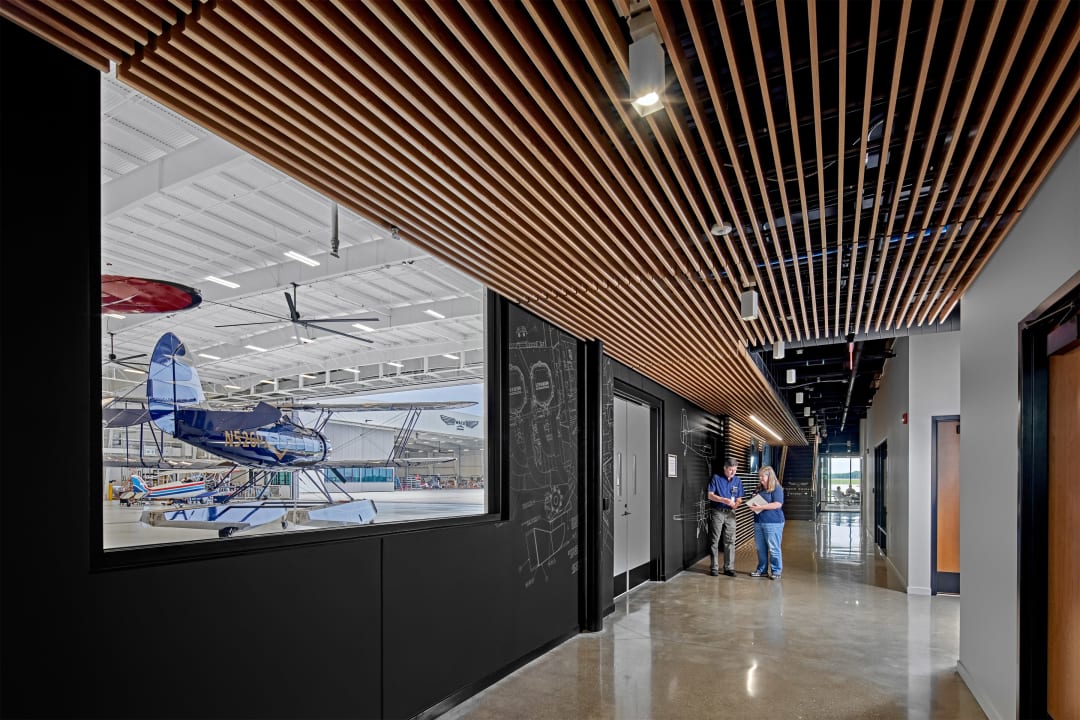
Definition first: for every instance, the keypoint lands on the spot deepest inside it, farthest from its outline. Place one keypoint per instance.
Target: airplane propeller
(123, 362)
(294, 317)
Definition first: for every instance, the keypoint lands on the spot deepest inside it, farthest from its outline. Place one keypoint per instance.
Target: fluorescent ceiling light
(134, 370)
(451, 356)
(208, 356)
(265, 382)
(114, 315)
(301, 258)
(434, 314)
(765, 427)
(234, 387)
(307, 340)
(352, 370)
(396, 364)
(309, 377)
(362, 326)
(219, 281)
(255, 347)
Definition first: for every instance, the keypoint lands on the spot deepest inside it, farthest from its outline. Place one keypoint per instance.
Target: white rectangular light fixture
(778, 350)
(266, 382)
(748, 305)
(219, 281)
(451, 356)
(234, 387)
(806, 411)
(799, 398)
(791, 376)
(647, 73)
(765, 427)
(255, 347)
(208, 356)
(435, 314)
(307, 340)
(308, 376)
(301, 258)
(362, 326)
(396, 364)
(352, 370)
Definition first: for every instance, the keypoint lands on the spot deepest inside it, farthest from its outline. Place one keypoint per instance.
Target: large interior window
(272, 362)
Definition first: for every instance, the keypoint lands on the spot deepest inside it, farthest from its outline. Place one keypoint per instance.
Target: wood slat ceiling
(870, 156)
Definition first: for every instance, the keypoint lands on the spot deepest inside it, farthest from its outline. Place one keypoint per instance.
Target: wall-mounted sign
(673, 466)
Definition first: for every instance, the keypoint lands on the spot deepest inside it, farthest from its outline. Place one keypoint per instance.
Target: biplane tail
(173, 382)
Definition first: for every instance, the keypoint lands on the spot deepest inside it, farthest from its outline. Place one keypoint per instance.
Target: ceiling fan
(298, 322)
(124, 361)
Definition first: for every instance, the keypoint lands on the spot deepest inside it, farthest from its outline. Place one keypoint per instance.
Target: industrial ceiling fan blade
(348, 320)
(292, 305)
(309, 324)
(264, 322)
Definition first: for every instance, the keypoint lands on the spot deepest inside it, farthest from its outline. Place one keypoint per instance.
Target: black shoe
(775, 577)
(714, 572)
(729, 573)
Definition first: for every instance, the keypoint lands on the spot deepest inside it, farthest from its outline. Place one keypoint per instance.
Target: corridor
(835, 638)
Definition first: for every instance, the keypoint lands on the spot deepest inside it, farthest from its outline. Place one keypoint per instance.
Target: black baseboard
(471, 689)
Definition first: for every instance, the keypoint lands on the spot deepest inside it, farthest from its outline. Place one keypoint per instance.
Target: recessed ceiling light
(301, 258)
(208, 356)
(434, 314)
(255, 347)
(219, 281)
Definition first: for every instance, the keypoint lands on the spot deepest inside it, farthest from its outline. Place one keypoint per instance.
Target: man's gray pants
(721, 523)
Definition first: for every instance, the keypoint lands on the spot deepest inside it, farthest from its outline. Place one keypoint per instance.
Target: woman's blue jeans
(767, 538)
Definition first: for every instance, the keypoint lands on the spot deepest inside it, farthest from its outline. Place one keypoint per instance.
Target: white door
(632, 490)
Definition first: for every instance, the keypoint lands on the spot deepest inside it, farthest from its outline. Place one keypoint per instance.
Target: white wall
(884, 423)
(1040, 254)
(933, 389)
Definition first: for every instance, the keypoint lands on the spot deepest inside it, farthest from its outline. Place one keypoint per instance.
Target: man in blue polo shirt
(725, 495)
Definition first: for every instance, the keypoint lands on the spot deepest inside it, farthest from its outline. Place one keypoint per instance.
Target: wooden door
(945, 537)
(1063, 558)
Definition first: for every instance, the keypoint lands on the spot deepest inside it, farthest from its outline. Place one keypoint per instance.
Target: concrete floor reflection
(835, 638)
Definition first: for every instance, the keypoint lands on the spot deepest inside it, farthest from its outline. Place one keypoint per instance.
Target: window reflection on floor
(840, 535)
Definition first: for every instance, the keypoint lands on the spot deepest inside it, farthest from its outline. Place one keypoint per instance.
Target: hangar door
(632, 447)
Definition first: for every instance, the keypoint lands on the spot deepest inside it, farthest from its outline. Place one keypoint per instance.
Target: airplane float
(263, 439)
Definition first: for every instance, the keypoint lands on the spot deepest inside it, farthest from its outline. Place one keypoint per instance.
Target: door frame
(656, 499)
(1033, 516)
(935, 421)
(881, 510)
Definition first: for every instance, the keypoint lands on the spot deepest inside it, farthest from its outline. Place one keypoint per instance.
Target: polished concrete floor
(836, 637)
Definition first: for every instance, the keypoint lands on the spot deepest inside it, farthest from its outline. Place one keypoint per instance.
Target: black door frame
(948, 584)
(881, 535)
(1035, 348)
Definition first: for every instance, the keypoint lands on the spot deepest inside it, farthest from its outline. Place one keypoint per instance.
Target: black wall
(696, 438)
(363, 623)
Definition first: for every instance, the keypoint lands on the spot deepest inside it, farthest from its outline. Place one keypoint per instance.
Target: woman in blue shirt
(769, 524)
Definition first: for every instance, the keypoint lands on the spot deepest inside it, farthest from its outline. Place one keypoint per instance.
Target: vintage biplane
(263, 441)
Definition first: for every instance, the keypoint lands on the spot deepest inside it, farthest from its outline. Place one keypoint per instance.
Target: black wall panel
(695, 437)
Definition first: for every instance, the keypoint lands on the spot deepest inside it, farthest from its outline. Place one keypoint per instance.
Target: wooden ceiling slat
(801, 331)
(404, 167)
(864, 131)
(106, 28)
(989, 155)
(882, 168)
(712, 75)
(909, 143)
(1048, 160)
(59, 31)
(759, 173)
(916, 192)
(502, 144)
(793, 119)
(958, 129)
(1049, 124)
(841, 140)
(815, 73)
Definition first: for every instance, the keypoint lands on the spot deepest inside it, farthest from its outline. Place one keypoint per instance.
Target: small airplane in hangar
(264, 440)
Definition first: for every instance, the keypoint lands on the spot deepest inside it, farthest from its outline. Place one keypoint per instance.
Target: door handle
(635, 474)
(618, 475)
